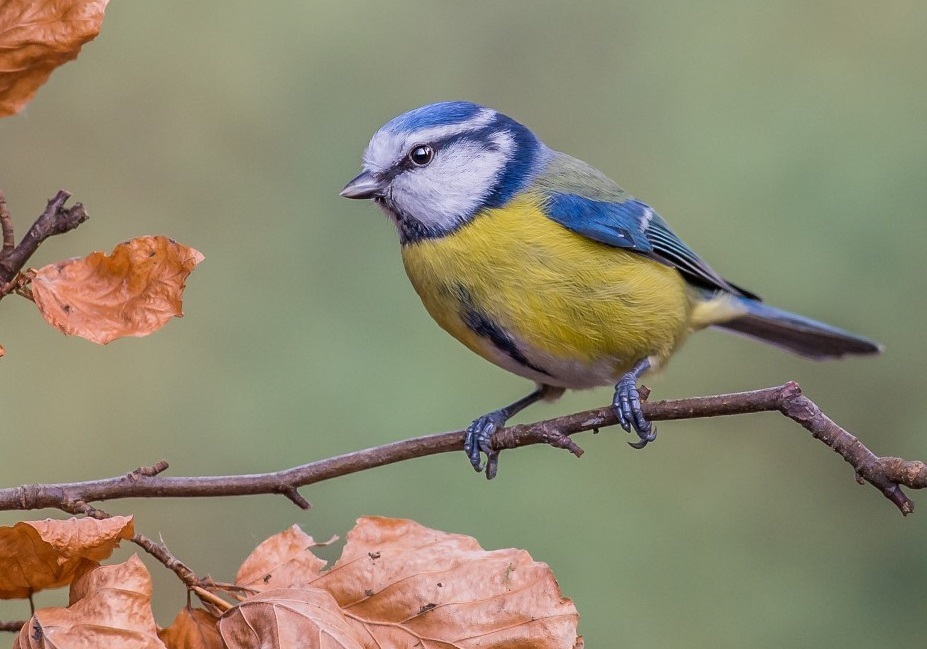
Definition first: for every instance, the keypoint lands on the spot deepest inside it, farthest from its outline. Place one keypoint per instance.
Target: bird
(544, 266)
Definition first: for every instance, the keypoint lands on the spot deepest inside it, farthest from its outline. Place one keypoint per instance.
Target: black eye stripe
(482, 136)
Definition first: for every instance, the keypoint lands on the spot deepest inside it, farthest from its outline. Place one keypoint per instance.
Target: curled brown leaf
(285, 560)
(35, 555)
(404, 583)
(37, 37)
(132, 292)
(289, 617)
(114, 611)
(193, 628)
(399, 583)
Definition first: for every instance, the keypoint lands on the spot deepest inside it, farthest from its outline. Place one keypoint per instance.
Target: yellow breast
(546, 303)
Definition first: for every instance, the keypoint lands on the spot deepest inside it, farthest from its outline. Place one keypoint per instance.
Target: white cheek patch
(454, 185)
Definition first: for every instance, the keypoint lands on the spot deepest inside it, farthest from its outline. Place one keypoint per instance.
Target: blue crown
(443, 113)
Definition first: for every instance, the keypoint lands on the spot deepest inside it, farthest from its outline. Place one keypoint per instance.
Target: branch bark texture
(56, 219)
(887, 474)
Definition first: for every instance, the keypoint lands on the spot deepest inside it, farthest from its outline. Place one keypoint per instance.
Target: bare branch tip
(559, 440)
(295, 497)
(910, 473)
(59, 199)
(898, 497)
(789, 390)
(149, 471)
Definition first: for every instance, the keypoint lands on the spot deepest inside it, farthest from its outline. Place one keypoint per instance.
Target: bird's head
(434, 168)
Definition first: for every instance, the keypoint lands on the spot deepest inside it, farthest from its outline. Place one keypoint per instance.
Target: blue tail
(795, 333)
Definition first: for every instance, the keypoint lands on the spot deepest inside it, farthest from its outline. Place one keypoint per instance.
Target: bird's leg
(627, 405)
(480, 432)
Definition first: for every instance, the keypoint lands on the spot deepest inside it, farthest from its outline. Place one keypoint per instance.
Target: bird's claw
(645, 439)
(479, 438)
(627, 405)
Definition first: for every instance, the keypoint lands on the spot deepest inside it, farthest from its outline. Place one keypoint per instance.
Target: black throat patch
(410, 229)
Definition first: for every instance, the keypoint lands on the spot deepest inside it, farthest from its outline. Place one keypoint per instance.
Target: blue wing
(582, 199)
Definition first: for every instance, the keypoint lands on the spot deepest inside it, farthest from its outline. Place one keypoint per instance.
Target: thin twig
(12, 626)
(885, 473)
(20, 285)
(212, 599)
(6, 224)
(56, 219)
(159, 551)
(194, 583)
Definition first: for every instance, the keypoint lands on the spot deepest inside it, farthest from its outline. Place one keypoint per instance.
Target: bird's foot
(479, 440)
(627, 405)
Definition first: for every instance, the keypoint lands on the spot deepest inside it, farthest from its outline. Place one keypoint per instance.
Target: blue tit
(541, 264)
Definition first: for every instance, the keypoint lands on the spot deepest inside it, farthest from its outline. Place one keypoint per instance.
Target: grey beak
(365, 185)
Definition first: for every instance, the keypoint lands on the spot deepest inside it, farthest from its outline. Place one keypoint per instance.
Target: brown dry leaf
(308, 618)
(115, 611)
(37, 37)
(79, 584)
(402, 584)
(35, 555)
(132, 292)
(285, 560)
(193, 628)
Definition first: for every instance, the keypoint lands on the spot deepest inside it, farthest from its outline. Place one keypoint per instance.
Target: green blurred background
(785, 142)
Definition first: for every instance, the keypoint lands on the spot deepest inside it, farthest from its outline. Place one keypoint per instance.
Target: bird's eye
(421, 155)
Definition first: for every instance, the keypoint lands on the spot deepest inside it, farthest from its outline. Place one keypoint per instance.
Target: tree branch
(56, 219)
(887, 474)
(12, 626)
(160, 551)
(6, 225)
